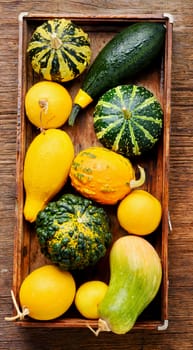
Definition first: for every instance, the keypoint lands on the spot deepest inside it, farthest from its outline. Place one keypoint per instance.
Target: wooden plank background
(179, 334)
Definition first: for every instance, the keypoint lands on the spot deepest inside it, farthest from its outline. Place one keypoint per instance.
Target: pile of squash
(128, 122)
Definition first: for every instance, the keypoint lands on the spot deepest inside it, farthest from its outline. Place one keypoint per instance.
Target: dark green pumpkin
(128, 120)
(73, 232)
(59, 50)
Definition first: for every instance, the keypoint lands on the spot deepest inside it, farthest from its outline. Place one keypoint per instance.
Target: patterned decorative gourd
(59, 50)
(103, 175)
(128, 120)
(73, 232)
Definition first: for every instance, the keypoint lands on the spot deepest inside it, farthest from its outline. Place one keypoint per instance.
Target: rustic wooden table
(179, 332)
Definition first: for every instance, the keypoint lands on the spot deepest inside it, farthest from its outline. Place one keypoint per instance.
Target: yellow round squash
(47, 292)
(103, 175)
(88, 297)
(139, 213)
(48, 104)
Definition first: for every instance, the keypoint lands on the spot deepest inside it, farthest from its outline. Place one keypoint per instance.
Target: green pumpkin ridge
(103, 132)
(115, 146)
(131, 95)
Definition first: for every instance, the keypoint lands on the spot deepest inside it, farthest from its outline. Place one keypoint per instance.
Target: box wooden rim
(168, 20)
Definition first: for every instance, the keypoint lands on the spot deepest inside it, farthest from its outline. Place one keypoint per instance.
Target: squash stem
(20, 315)
(127, 114)
(102, 327)
(75, 110)
(55, 41)
(139, 182)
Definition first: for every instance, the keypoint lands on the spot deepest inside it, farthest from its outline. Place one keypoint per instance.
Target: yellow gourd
(139, 213)
(88, 297)
(45, 294)
(48, 104)
(46, 168)
(103, 175)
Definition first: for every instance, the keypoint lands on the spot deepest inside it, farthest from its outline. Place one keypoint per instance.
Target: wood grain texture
(179, 333)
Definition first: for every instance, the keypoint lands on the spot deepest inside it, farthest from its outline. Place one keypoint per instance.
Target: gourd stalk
(75, 110)
(139, 182)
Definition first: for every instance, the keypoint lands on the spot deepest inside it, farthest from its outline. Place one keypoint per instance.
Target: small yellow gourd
(46, 168)
(103, 175)
(139, 213)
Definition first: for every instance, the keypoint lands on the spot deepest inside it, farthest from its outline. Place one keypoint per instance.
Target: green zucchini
(128, 120)
(125, 55)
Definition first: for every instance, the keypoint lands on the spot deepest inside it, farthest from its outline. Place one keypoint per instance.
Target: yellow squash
(139, 213)
(48, 104)
(45, 294)
(46, 168)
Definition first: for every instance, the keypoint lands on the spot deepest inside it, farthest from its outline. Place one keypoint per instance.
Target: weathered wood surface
(179, 333)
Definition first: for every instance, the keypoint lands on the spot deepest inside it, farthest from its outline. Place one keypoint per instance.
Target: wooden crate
(157, 78)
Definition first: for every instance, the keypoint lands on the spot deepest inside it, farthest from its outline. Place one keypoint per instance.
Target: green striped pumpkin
(59, 50)
(128, 120)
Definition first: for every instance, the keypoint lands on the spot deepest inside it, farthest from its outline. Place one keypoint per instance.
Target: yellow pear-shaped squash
(46, 168)
(103, 175)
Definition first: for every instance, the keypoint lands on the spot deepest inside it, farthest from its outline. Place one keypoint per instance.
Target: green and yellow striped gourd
(59, 50)
(128, 120)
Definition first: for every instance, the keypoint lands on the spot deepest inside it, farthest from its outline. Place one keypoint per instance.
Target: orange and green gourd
(103, 175)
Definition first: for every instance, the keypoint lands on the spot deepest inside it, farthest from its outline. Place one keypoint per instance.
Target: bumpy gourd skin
(73, 232)
(101, 175)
